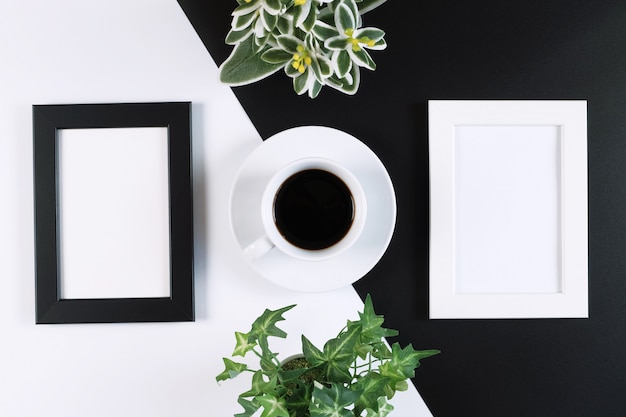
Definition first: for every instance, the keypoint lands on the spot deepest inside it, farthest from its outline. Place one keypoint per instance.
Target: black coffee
(313, 209)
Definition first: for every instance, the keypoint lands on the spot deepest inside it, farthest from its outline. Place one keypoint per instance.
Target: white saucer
(314, 141)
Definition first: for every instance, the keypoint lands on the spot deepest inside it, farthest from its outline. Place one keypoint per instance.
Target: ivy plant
(316, 42)
(353, 375)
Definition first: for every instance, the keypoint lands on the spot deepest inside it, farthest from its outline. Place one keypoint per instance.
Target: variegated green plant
(353, 375)
(317, 42)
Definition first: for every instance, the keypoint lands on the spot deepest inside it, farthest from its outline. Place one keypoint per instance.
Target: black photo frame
(47, 121)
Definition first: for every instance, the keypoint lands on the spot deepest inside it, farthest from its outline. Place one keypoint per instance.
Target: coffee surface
(313, 209)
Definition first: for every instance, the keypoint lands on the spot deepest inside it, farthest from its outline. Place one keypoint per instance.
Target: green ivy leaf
(381, 351)
(404, 361)
(260, 386)
(288, 377)
(340, 353)
(243, 344)
(232, 370)
(265, 325)
(332, 401)
(372, 386)
(312, 354)
(273, 406)
(300, 398)
(364, 349)
(402, 385)
(249, 407)
(384, 409)
(268, 363)
(372, 324)
(245, 66)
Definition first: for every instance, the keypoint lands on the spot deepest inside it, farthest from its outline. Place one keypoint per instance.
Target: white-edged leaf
(269, 20)
(300, 83)
(315, 89)
(289, 43)
(260, 43)
(367, 5)
(291, 71)
(349, 84)
(285, 26)
(243, 21)
(259, 29)
(326, 67)
(336, 42)
(276, 56)
(362, 58)
(354, 80)
(246, 8)
(245, 66)
(315, 67)
(310, 42)
(323, 31)
(342, 63)
(355, 11)
(379, 46)
(234, 37)
(301, 12)
(344, 20)
(273, 6)
(309, 22)
(374, 34)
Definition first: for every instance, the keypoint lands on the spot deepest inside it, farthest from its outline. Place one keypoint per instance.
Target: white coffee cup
(274, 238)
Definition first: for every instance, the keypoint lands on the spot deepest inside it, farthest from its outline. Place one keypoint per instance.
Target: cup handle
(258, 248)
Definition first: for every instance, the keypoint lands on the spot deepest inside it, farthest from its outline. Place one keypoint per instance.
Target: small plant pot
(298, 361)
(294, 362)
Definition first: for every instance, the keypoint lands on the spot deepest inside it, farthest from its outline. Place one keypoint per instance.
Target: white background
(72, 51)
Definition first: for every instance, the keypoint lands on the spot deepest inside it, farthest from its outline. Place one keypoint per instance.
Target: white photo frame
(508, 209)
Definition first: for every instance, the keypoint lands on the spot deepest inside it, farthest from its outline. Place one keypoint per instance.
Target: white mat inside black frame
(113, 212)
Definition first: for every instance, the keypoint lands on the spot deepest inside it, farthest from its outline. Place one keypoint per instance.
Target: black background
(483, 49)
